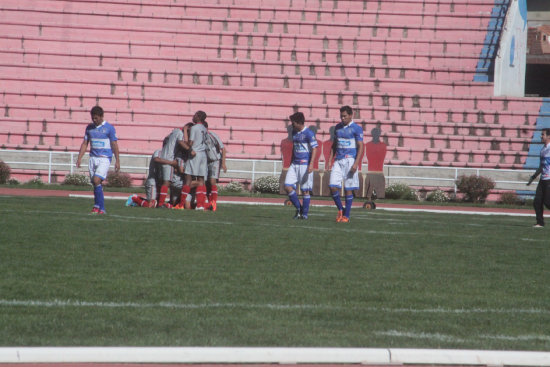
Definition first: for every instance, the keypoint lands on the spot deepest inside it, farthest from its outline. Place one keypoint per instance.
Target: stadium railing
(51, 165)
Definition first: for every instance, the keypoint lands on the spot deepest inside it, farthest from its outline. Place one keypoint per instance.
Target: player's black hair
(201, 115)
(347, 109)
(297, 117)
(96, 110)
(546, 131)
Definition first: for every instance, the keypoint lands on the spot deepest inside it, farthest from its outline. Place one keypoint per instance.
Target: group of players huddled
(188, 167)
(189, 163)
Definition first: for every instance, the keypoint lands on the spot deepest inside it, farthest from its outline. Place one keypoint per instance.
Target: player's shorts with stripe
(99, 166)
(167, 171)
(197, 166)
(214, 169)
(297, 174)
(151, 189)
(341, 172)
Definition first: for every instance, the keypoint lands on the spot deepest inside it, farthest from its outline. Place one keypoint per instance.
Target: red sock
(213, 194)
(162, 195)
(138, 200)
(185, 190)
(201, 196)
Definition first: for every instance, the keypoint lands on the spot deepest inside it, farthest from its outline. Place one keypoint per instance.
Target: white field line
(451, 338)
(56, 303)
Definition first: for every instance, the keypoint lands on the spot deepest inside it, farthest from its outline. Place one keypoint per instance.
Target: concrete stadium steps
(417, 23)
(193, 70)
(169, 43)
(487, 108)
(240, 82)
(234, 113)
(341, 11)
(456, 158)
(393, 5)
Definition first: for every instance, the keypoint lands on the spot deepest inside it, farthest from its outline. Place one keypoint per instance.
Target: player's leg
(291, 180)
(167, 172)
(185, 192)
(306, 185)
(201, 171)
(538, 205)
(350, 183)
(212, 184)
(99, 167)
(335, 185)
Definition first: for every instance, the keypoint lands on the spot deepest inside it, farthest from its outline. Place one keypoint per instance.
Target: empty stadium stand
(419, 70)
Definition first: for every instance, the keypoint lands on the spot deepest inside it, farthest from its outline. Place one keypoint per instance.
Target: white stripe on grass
(453, 339)
(269, 306)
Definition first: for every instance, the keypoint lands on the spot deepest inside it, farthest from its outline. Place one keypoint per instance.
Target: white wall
(511, 57)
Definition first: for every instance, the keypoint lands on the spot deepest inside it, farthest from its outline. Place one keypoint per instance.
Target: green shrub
(118, 179)
(401, 191)
(76, 179)
(438, 196)
(267, 185)
(5, 172)
(36, 181)
(233, 186)
(13, 181)
(510, 198)
(475, 188)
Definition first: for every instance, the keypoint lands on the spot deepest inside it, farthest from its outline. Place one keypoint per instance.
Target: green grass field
(252, 276)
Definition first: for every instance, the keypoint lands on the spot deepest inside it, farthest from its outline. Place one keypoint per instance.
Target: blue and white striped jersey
(304, 142)
(100, 138)
(347, 137)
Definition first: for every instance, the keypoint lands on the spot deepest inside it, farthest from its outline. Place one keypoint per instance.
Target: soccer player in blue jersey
(347, 152)
(542, 195)
(103, 145)
(300, 171)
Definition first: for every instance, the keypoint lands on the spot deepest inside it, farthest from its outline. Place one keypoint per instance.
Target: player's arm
(535, 175)
(185, 144)
(314, 153)
(359, 156)
(114, 146)
(81, 153)
(328, 165)
(160, 160)
(224, 152)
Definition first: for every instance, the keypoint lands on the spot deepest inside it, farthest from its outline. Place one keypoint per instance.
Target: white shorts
(214, 170)
(297, 174)
(197, 166)
(151, 189)
(341, 172)
(167, 171)
(99, 166)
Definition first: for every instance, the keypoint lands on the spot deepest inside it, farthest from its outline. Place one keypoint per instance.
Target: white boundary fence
(379, 356)
(50, 163)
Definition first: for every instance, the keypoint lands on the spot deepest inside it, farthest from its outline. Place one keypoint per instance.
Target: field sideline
(416, 287)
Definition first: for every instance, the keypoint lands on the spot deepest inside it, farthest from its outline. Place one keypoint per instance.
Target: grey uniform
(154, 177)
(214, 167)
(169, 152)
(197, 165)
